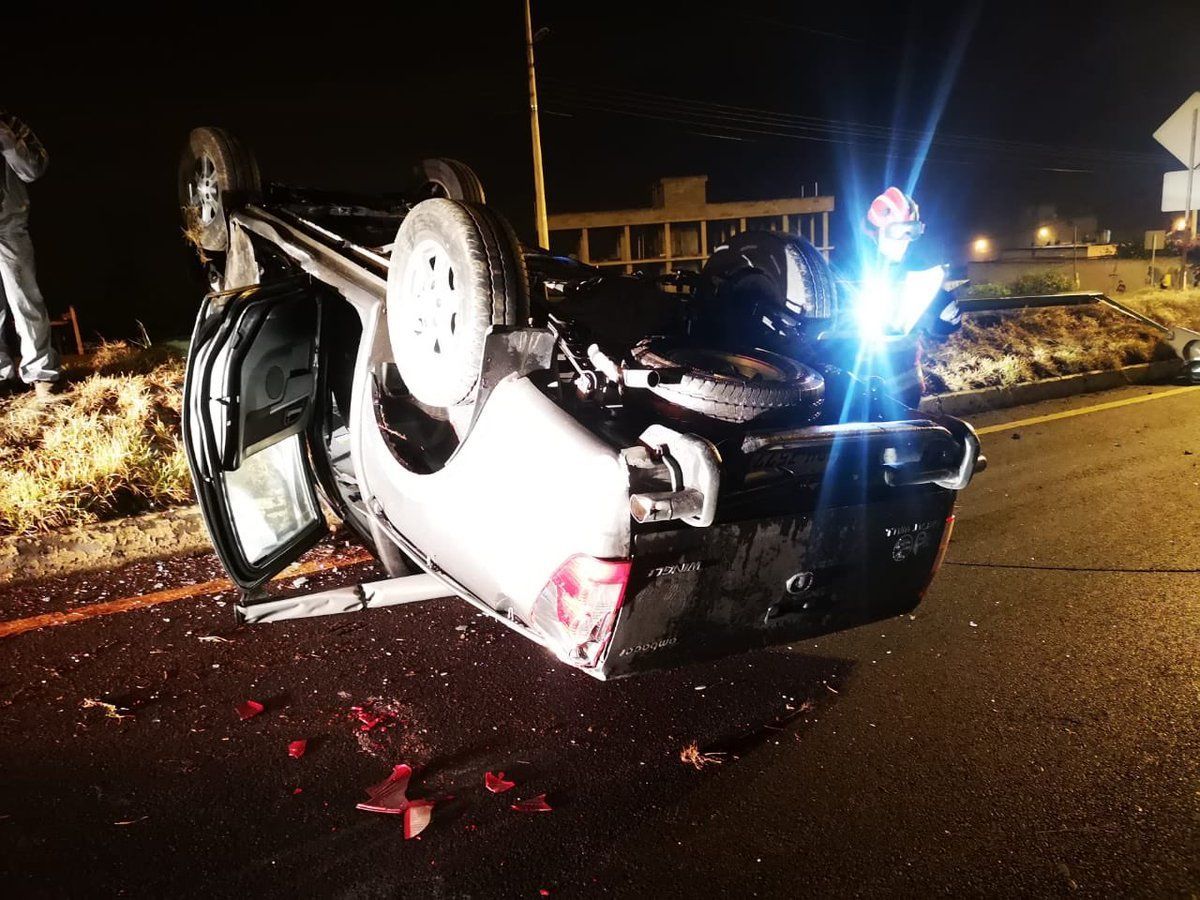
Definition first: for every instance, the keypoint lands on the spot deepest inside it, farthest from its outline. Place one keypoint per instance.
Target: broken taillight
(578, 606)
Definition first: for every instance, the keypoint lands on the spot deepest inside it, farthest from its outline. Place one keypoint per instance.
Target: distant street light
(1043, 233)
(982, 246)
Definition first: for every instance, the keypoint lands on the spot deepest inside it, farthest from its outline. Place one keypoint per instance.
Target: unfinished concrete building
(681, 227)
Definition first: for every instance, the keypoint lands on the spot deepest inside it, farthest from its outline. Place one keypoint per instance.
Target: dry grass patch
(109, 448)
(1006, 348)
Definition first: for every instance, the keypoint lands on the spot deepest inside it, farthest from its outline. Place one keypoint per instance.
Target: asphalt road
(1034, 728)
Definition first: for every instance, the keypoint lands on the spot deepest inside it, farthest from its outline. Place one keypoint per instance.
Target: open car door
(249, 396)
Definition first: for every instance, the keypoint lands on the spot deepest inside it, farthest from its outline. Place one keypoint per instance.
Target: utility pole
(539, 183)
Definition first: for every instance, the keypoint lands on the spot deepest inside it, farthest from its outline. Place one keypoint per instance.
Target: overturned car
(633, 472)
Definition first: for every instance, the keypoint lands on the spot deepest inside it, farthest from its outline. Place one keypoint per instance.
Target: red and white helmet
(895, 221)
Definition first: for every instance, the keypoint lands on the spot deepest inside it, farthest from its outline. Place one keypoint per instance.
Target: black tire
(456, 270)
(775, 267)
(733, 385)
(217, 175)
(450, 179)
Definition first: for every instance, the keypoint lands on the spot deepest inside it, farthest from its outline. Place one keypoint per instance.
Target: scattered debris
(496, 783)
(389, 795)
(692, 756)
(973, 624)
(132, 821)
(370, 719)
(296, 749)
(376, 729)
(417, 817)
(249, 709)
(214, 639)
(532, 805)
(111, 710)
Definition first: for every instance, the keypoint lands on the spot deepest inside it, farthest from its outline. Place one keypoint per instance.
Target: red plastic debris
(533, 804)
(368, 718)
(496, 783)
(388, 796)
(296, 748)
(297, 791)
(417, 817)
(249, 709)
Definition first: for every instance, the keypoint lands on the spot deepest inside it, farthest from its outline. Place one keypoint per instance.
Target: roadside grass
(109, 448)
(1007, 348)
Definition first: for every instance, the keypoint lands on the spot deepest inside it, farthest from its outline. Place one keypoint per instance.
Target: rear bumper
(818, 529)
(699, 594)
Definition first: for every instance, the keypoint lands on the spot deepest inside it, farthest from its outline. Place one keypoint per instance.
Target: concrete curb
(102, 546)
(965, 403)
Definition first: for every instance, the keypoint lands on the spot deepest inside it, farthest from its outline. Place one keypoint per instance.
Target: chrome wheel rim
(205, 191)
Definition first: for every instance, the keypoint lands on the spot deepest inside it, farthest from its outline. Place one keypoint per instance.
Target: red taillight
(578, 606)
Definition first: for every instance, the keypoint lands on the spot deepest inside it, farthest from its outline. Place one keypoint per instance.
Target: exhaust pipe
(663, 506)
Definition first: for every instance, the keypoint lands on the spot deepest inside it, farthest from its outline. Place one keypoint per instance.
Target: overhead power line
(725, 120)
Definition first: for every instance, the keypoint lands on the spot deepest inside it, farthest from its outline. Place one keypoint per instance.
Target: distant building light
(982, 245)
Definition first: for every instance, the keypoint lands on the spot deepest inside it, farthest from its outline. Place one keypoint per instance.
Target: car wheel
(456, 270)
(217, 174)
(784, 269)
(450, 179)
(733, 385)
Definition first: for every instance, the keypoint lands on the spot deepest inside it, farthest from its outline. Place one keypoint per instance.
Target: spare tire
(772, 267)
(450, 179)
(217, 175)
(733, 385)
(456, 270)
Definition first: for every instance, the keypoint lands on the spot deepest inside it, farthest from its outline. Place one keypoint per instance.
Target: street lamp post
(539, 184)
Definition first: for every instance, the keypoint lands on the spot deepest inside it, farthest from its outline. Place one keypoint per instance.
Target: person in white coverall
(25, 160)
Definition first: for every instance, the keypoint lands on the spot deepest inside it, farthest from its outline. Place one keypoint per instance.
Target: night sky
(1039, 103)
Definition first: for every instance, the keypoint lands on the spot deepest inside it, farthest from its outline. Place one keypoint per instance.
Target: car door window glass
(270, 499)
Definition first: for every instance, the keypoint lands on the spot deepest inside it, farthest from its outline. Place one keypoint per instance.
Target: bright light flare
(1180, 224)
(1043, 233)
(887, 307)
(982, 245)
